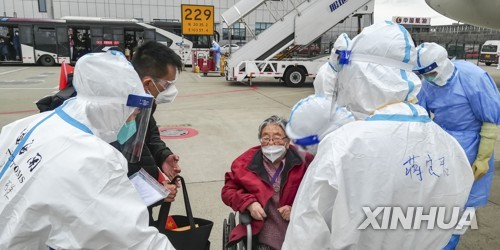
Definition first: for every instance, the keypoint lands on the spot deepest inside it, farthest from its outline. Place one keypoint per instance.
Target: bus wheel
(488, 64)
(47, 60)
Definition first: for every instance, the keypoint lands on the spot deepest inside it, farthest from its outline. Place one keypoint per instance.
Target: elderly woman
(264, 181)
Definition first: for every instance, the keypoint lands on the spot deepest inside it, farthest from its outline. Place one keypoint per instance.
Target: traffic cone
(66, 69)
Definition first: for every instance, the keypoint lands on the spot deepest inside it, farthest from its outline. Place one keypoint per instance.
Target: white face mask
(168, 95)
(273, 152)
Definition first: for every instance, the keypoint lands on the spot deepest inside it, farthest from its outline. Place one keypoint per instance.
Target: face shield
(132, 134)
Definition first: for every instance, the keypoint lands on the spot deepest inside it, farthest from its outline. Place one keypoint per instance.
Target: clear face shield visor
(342, 59)
(133, 132)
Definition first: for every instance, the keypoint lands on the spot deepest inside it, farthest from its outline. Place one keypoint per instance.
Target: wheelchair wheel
(228, 226)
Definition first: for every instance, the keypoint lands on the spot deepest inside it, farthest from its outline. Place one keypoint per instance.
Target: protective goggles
(133, 133)
(166, 83)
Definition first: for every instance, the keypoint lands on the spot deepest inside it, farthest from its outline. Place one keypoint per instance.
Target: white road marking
(7, 72)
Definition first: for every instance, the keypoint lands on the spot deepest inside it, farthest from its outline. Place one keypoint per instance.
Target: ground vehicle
(489, 52)
(225, 48)
(312, 50)
(294, 29)
(51, 41)
(471, 54)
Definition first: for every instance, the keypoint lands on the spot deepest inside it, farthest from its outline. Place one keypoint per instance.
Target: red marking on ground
(219, 92)
(190, 133)
(19, 112)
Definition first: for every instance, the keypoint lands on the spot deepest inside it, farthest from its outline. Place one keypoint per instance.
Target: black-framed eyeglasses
(277, 140)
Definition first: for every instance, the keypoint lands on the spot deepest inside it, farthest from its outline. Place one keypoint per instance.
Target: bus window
(117, 38)
(149, 35)
(26, 38)
(45, 40)
(164, 39)
(199, 41)
(63, 42)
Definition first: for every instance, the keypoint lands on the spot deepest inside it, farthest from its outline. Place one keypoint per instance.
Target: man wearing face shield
(63, 185)
(326, 78)
(392, 156)
(466, 103)
(264, 181)
(313, 118)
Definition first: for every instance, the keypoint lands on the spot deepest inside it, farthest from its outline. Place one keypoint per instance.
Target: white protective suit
(397, 157)
(67, 188)
(326, 77)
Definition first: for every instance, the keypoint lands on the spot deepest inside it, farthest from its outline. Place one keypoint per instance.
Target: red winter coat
(249, 181)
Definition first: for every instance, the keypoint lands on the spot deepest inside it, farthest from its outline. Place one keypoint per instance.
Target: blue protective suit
(216, 49)
(460, 107)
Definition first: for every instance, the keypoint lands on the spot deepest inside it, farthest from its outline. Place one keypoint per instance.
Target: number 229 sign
(197, 19)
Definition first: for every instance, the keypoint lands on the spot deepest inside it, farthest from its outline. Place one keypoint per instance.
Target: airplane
(483, 13)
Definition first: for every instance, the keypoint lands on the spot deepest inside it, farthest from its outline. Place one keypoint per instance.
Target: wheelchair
(229, 224)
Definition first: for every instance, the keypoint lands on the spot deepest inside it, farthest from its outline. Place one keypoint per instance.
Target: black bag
(195, 238)
(52, 102)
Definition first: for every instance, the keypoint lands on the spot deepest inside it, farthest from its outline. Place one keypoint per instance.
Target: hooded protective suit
(396, 157)
(326, 77)
(461, 102)
(63, 185)
(216, 49)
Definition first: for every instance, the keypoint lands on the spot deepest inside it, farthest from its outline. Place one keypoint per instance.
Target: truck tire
(295, 77)
(47, 60)
(488, 64)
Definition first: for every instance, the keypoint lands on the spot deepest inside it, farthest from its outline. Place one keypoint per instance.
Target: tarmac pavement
(226, 116)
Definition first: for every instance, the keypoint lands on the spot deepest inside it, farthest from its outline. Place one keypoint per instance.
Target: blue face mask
(430, 78)
(127, 131)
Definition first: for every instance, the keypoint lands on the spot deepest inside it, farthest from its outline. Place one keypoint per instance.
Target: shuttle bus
(52, 41)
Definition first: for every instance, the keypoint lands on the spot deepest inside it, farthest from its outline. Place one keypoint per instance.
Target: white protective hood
(379, 71)
(312, 118)
(341, 44)
(102, 107)
(432, 57)
(326, 77)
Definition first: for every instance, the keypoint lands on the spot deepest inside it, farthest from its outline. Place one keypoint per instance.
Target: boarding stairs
(301, 26)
